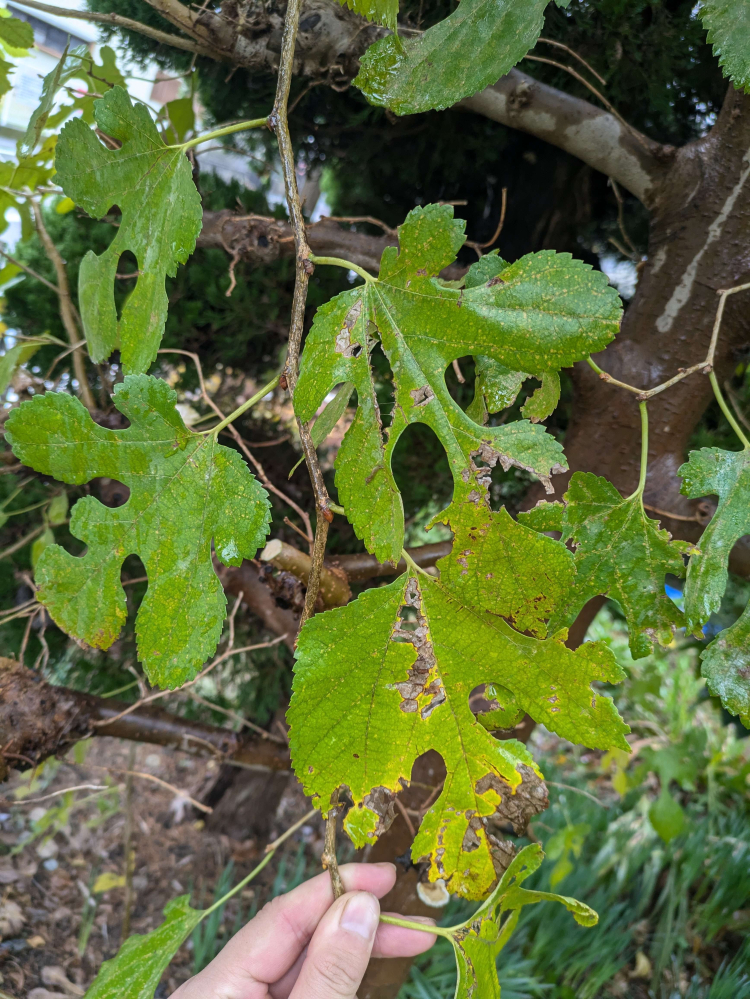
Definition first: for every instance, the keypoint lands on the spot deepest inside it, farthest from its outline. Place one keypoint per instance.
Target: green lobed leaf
(383, 12)
(726, 661)
(16, 36)
(540, 314)
(13, 358)
(137, 969)
(495, 387)
(726, 667)
(69, 66)
(544, 516)
(621, 553)
(478, 941)
(152, 185)
(374, 689)
(186, 490)
(728, 25)
(473, 47)
(727, 475)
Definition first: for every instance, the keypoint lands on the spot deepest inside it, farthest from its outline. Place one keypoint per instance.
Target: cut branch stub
(334, 586)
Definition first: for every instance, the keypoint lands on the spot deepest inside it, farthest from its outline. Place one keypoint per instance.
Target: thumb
(338, 954)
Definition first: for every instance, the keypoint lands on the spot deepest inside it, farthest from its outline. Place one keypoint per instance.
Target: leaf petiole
(727, 411)
(340, 262)
(244, 407)
(270, 852)
(644, 454)
(411, 564)
(335, 508)
(439, 931)
(240, 126)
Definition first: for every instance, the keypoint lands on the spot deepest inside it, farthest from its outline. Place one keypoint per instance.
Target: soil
(46, 882)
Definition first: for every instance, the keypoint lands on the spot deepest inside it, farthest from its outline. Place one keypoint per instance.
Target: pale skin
(305, 945)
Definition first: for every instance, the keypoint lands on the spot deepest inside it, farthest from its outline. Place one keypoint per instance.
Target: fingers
(267, 947)
(340, 949)
(396, 941)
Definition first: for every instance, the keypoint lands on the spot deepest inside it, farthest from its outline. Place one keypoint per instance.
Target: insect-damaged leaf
(185, 490)
(136, 970)
(388, 677)
(726, 662)
(478, 941)
(620, 553)
(433, 70)
(728, 24)
(161, 217)
(539, 314)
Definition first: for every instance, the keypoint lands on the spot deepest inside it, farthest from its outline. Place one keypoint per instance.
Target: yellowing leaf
(388, 677)
(107, 881)
(478, 942)
(161, 217)
(185, 491)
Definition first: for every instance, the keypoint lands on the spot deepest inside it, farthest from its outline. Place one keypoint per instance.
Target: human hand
(305, 945)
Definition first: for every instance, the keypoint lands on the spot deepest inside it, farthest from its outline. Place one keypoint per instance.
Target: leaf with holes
(186, 490)
(478, 942)
(539, 314)
(433, 71)
(623, 554)
(152, 185)
(726, 662)
(728, 25)
(388, 677)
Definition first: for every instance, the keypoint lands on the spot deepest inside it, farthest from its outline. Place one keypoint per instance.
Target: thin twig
(736, 404)
(357, 218)
(165, 693)
(291, 830)
(578, 790)
(236, 717)
(118, 21)
(705, 367)
(278, 121)
(155, 780)
(634, 254)
(565, 48)
(31, 272)
(65, 790)
(67, 310)
(407, 820)
(483, 246)
(328, 858)
(672, 516)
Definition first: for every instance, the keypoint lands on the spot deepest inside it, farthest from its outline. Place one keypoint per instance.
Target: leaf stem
(340, 262)
(411, 564)
(337, 509)
(727, 411)
(439, 931)
(244, 407)
(241, 126)
(644, 454)
(270, 851)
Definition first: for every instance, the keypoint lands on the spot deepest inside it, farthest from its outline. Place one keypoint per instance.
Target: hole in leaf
(126, 279)
(110, 492)
(422, 473)
(132, 576)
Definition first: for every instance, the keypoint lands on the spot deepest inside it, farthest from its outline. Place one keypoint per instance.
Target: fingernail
(361, 914)
(384, 863)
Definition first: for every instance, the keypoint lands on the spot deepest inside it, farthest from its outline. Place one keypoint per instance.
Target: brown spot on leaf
(422, 396)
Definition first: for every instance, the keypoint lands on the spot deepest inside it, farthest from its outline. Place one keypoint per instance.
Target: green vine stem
(644, 454)
(240, 126)
(340, 262)
(270, 851)
(243, 408)
(727, 411)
